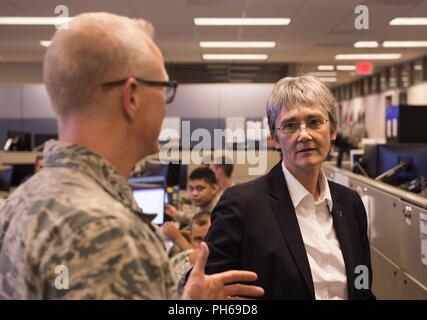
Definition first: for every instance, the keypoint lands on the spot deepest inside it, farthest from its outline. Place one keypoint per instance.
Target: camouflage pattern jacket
(74, 231)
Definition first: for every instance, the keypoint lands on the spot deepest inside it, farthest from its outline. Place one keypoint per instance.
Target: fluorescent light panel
(325, 67)
(33, 21)
(369, 56)
(405, 44)
(241, 21)
(409, 21)
(45, 43)
(366, 44)
(346, 68)
(237, 44)
(235, 57)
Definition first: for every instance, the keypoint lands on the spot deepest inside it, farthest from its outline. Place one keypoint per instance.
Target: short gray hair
(305, 90)
(94, 46)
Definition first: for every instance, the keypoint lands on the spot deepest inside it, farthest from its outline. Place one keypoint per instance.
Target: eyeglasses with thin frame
(169, 87)
(314, 124)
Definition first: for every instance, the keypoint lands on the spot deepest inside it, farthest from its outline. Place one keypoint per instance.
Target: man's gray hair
(93, 47)
(306, 91)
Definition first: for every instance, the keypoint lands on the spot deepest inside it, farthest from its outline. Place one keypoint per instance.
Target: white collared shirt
(320, 240)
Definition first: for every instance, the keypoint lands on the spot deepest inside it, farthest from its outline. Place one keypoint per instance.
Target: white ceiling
(319, 30)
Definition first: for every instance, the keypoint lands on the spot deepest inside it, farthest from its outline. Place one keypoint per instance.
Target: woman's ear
(333, 136)
(130, 98)
(276, 143)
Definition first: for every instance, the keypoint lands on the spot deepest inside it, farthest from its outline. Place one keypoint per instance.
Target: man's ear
(130, 98)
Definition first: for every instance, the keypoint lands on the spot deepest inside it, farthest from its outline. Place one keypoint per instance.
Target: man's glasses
(169, 87)
(315, 123)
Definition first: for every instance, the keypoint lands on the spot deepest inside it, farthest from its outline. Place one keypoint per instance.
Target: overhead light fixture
(405, 44)
(237, 44)
(366, 44)
(34, 21)
(235, 57)
(328, 79)
(324, 74)
(241, 21)
(45, 43)
(346, 68)
(408, 21)
(368, 56)
(325, 67)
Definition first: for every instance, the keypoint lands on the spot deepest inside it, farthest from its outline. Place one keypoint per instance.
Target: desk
(18, 157)
(395, 234)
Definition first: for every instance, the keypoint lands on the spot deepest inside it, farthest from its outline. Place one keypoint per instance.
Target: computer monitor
(152, 202)
(177, 175)
(391, 155)
(5, 177)
(17, 141)
(369, 159)
(41, 138)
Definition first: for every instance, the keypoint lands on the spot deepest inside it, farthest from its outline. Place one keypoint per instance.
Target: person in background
(305, 237)
(108, 86)
(197, 232)
(223, 169)
(203, 191)
(183, 261)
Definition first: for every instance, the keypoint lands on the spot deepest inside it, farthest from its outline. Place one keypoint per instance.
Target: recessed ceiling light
(368, 56)
(325, 67)
(33, 21)
(366, 44)
(404, 44)
(45, 43)
(409, 21)
(235, 57)
(241, 21)
(237, 44)
(323, 74)
(346, 68)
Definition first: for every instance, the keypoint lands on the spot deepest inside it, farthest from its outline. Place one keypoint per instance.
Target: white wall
(417, 95)
(220, 100)
(204, 101)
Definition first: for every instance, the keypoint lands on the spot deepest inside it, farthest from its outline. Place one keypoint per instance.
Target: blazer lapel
(285, 214)
(340, 220)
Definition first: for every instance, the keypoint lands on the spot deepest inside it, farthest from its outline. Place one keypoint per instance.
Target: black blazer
(254, 227)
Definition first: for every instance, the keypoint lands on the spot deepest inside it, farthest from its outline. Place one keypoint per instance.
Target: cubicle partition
(397, 234)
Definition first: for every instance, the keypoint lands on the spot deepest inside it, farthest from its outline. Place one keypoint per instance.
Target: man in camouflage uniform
(76, 220)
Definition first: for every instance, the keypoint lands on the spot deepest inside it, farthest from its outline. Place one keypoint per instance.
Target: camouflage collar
(67, 155)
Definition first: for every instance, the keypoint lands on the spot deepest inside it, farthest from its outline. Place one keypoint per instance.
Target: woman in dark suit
(305, 236)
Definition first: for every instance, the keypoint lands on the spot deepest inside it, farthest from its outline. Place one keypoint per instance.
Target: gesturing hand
(220, 285)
